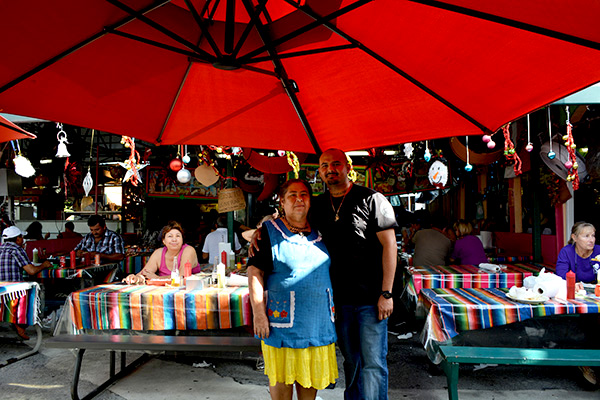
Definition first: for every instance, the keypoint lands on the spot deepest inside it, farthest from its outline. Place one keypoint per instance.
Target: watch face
(386, 295)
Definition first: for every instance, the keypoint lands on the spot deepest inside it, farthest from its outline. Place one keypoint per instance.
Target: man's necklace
(296, 229)
(337, 212)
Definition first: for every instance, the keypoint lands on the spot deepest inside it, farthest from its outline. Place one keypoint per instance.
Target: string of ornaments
(571, 164)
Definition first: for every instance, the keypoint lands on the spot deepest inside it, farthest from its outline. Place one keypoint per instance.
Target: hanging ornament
(486, 138)
(571, 164)
(41, 180)
(529, 146)
(438, 174)
(23, 166)
(468, 167)
(184, 175)
(88, 182)
(408, 150)
(186, 159)
(294, 162)
(176, 164)
(427, 155)
(551, 153)
(61, 151)
(509, 150)
(132, 164)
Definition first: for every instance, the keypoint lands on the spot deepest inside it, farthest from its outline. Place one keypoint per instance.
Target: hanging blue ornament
(427, 155)
(551, 155)
(468, 168)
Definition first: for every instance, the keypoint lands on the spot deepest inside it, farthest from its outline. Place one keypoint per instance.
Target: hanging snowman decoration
(438, 174)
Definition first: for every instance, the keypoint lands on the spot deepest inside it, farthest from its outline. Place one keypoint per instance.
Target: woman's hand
(148, 275)
(261, 326)
(134, 280)
(579, 286)
(253, 248)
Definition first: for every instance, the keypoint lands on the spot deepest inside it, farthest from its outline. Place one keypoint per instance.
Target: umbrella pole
(96, 182)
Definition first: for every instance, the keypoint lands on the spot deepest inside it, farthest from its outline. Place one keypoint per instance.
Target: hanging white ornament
(438, 174)
(184, 175)
(468, 167)
(408, 150)
(88, 183)
(186, 159)
(23, 166)
(551, 153)
(61, 151)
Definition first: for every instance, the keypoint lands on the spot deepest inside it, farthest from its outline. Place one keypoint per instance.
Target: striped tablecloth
(104, 272)
(132, 264)
(452, 311)
(468, 276)
(20, 302)
(140, 308)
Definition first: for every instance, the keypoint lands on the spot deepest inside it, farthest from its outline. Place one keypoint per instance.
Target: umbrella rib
(141, 17)
(18, 130)
(163, 46)
(304, 53)
(77, 46)
(510, 22)
(318, 22)
(253, 18)
(229, 25)
(285, 81)
(394, 68)
(202, 24)
(162, 131)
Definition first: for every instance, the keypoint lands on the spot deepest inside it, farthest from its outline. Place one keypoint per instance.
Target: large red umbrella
(10, 131)
(299, 75)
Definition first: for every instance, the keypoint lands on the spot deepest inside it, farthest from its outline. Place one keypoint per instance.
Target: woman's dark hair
(34, 231)
(169, 227)
(283, 189)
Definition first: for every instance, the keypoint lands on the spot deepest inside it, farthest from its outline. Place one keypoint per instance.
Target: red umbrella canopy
(10, 131)
(301, 75)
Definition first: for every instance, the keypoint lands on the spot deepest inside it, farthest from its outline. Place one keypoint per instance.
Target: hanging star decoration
(509, 150)
(378, 162)
(132, 164)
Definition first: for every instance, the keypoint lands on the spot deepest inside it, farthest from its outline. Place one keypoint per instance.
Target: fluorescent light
(365, 153)
(46, 161)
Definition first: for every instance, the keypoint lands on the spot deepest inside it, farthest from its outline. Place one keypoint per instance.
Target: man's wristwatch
(386, 294)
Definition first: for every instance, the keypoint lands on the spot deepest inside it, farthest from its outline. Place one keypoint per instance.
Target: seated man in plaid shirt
(108, 244)
(13, 261)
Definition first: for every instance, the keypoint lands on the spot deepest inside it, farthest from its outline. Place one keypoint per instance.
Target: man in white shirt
(211, 244)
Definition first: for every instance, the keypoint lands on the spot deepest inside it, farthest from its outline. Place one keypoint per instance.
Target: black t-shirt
(352, 242)
(263, 258)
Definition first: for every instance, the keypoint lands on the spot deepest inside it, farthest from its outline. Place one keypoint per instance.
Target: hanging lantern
(61, 136)
(176, 164)
(184, 175)
(41, 180)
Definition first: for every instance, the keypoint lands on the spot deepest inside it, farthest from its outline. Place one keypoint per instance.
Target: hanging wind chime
(571, 164)
(88, 182)
(62, 152)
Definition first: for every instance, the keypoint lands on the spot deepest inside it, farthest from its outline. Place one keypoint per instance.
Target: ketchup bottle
(570, 285)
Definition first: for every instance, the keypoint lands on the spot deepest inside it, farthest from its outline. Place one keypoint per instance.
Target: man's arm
(204, 256)
(33, 270)
(387, 238)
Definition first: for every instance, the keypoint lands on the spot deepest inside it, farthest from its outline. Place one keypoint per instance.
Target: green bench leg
(451, 370)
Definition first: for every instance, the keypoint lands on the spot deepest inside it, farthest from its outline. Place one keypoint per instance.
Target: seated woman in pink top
(468, 249)
(161, 261)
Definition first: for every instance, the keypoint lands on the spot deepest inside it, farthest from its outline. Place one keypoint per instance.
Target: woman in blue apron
(290, 292)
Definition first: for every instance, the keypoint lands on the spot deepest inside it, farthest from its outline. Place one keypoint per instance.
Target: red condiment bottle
(187, 269)
(73, 259)
(570, 285)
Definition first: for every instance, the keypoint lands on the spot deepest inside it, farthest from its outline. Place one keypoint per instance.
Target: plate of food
(537, 299)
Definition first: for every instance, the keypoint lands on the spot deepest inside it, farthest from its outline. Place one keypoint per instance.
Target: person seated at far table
(34, 232)
(582, 256)
(108, 244)
(161, 261)
(69, 232)
(432, 245)
(13, 261)
(210, 250)
(468, 249)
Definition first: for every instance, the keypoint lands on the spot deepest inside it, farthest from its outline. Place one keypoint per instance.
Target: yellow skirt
(314, 367)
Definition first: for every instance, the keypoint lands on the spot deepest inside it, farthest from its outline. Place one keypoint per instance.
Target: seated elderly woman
(161, 261)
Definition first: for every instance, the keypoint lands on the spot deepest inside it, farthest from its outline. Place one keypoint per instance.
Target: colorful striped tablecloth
(468, 276)
(20, 302)
(105, 272)
(132, 264)
(140, 308)
(452, 311)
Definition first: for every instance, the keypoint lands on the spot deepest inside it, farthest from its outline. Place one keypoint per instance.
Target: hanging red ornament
(571, 164)
(176, 164)
(41, 180)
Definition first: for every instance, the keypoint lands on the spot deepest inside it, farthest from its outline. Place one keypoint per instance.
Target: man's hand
(385, 307)
(254, 243)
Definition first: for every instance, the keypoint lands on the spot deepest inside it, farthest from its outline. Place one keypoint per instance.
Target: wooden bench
(453, 356)
(125, 343)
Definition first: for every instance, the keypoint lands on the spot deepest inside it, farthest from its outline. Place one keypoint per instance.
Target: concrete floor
(47, 375)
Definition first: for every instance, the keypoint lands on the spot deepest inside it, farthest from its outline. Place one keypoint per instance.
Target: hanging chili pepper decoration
(571, 164)
(509, 150)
